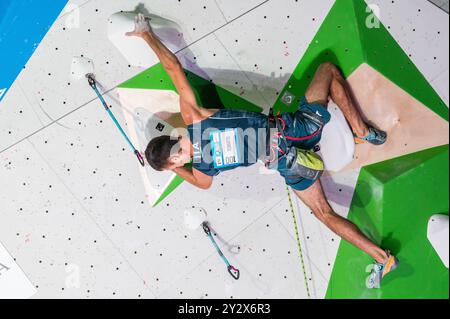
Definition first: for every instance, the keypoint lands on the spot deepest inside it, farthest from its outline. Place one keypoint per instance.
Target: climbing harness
(234, 272)
(302, 163)
(298, 242)
(93, 85)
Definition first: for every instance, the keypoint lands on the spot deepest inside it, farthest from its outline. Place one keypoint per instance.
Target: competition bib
(225, 148)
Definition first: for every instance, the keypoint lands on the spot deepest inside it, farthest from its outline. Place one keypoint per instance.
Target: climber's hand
(141, 27)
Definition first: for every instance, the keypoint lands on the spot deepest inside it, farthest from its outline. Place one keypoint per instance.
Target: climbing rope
(298, 242)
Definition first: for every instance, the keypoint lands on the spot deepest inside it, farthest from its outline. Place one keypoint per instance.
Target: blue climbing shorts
(303, 128)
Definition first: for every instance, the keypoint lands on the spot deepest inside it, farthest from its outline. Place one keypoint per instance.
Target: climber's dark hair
(158, 151)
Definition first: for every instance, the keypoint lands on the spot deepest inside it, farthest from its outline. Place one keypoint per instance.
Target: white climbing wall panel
(423, 35)
(74, 213)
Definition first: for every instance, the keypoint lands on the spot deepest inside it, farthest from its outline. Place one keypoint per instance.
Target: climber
(221, 140)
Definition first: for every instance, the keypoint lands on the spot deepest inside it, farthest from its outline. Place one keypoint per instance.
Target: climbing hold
(80, 67)
(194, 218)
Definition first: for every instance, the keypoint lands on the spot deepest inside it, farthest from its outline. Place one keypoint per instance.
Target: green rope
(298, 242)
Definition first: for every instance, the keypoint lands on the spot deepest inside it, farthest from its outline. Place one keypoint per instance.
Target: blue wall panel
(23, 25)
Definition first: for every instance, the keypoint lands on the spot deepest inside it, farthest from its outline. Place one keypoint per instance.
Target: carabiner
(234, 272)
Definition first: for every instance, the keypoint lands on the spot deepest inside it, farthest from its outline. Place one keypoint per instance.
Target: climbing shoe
(380, 270)
(375, 137)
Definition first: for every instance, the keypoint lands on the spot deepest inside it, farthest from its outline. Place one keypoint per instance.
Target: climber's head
(167, 153)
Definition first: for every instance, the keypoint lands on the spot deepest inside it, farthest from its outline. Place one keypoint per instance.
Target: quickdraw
(233, 271)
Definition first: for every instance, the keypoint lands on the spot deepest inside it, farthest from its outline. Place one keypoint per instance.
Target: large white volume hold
(134, 49)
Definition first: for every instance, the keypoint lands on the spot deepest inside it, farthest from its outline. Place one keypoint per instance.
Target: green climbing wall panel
(208, 94)
(346, 40)
(392, 204)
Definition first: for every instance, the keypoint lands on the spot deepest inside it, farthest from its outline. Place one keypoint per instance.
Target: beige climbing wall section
(410, 125)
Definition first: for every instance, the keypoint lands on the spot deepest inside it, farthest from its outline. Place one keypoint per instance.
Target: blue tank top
(248, 129)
